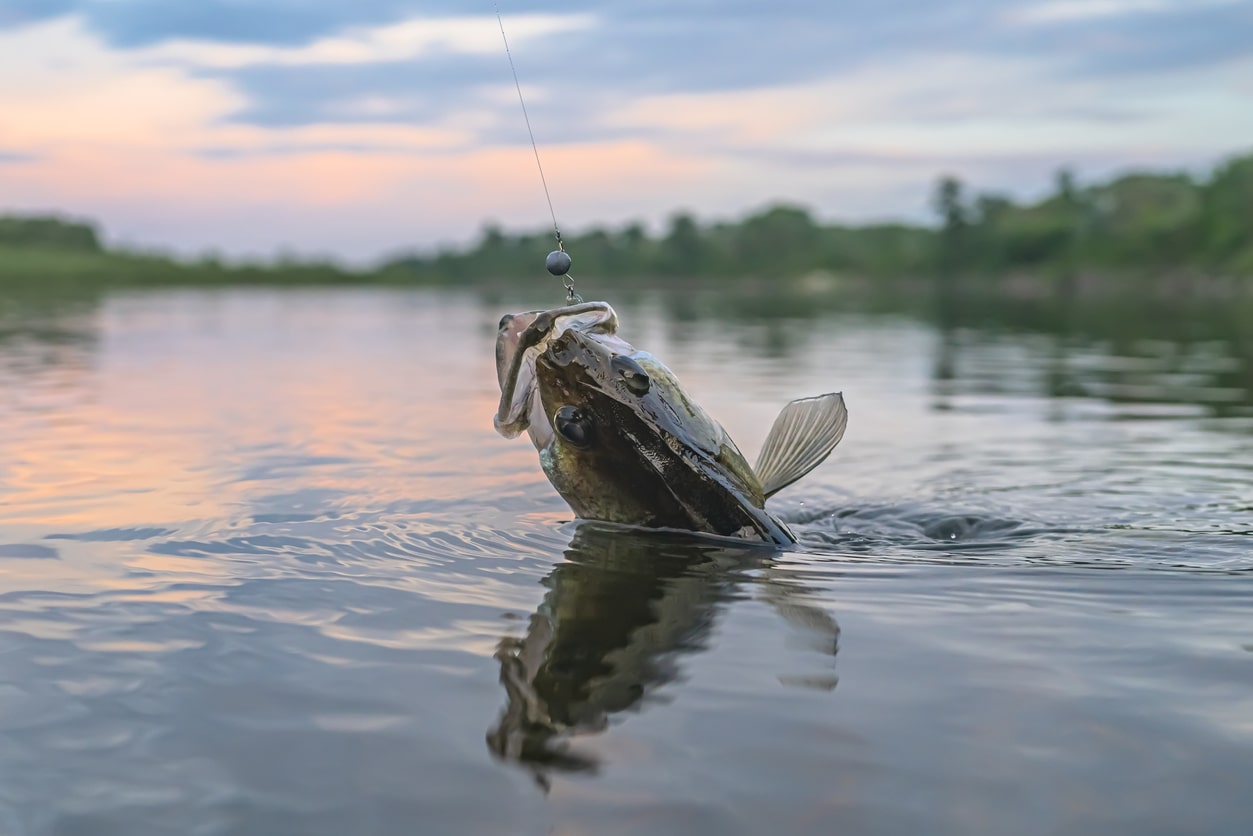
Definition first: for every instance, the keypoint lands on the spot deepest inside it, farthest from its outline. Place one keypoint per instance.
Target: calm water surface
(265, 568)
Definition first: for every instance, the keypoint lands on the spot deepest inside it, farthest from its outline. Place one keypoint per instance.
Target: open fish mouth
(520, 340)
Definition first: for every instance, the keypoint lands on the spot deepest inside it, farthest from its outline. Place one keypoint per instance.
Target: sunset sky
(358, 129)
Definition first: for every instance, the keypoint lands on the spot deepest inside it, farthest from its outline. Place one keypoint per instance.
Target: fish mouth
(508, 335)
(520, 340)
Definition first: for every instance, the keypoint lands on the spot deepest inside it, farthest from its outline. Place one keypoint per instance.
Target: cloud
(315, 61)
(581, 70)
(416, 71)
(1128, 39)
(1066, 11)
(283, 96)
(140, 23)
(396, 42)
(61, 89)
(16, 13)
(367, 126)
(8, 157)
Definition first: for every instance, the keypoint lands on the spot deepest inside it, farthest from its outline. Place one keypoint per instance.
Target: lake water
(265, 568)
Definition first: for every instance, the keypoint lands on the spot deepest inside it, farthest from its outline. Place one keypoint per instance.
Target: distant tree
(1067, 193)
(1141, 222)
(988, 229)
(1227, 215)
(493, 238)
(682, 249)
(1150, 220)
(949, 202)
(781, 240)
(637, 250)
(990, 209)
(49, 232)
(634, 235)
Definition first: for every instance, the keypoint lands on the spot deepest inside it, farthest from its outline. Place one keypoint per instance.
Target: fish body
(622, 442)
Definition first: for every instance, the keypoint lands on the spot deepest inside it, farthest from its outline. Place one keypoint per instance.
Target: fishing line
(558, 261)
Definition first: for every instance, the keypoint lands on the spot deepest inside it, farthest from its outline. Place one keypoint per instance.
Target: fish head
(617, 435)
(520, 339)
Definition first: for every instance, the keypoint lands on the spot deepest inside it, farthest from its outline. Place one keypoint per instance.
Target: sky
(358, 130)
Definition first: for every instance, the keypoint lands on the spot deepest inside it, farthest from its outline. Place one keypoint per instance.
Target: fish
(622, 442)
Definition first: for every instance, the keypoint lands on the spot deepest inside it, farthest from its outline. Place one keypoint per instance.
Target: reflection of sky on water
(210, 424)
(260, 550)
(288, 406)
(195, 408)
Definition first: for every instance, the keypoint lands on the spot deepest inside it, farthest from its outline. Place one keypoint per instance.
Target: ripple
(276, 587)
(914, 526)
(912, 533)
(256, 544)
(113, 535)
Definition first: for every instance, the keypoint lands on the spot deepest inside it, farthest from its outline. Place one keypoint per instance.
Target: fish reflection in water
(619, 615)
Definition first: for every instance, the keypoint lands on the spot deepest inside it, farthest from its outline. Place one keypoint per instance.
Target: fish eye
(504, 320)
(632, 374)
(574, 425)
(561, 352)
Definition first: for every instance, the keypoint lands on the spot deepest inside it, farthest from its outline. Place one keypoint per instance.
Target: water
(266, 569)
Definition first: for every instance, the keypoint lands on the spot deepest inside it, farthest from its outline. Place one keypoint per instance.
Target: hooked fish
(622, 442)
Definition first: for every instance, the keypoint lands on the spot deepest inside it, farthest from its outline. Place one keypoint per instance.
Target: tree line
(1140, 222)
(1137, 224)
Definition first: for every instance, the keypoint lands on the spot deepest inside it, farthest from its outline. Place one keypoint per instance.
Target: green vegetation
(781, 243)
(1139, 227)
(41, 265)
(47, 252)
(1142, 232)
(49, 233)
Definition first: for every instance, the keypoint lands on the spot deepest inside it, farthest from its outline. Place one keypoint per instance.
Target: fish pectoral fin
(804, 434)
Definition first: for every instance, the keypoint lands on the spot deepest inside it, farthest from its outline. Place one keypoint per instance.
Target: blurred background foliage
(1144, 225)
(1162, 233)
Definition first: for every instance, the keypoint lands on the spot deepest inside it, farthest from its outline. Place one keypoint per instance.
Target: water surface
(265, 568)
